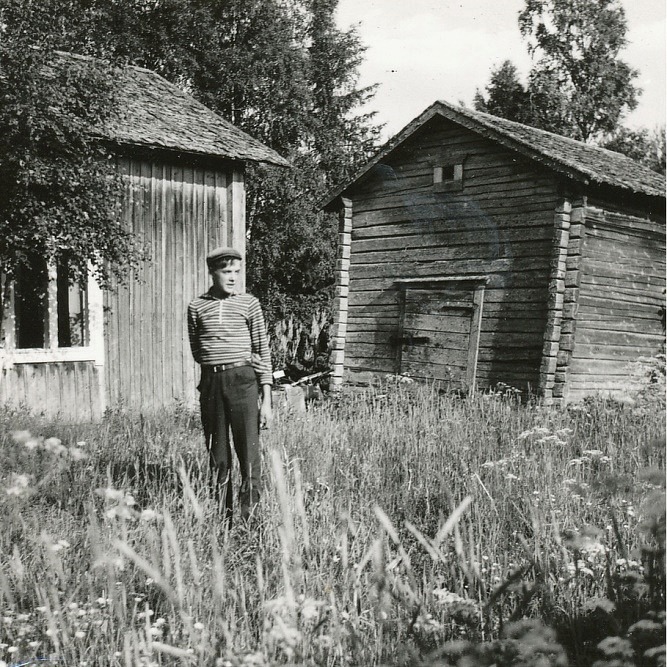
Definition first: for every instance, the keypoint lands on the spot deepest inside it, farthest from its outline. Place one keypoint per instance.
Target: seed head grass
(396, 526)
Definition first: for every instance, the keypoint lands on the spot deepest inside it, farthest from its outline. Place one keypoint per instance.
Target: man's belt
(219, 368)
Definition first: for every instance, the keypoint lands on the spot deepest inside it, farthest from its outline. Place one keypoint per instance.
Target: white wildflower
(21, 437)
(55, 446)
(110, 493)
(77, 454)
(20, 485)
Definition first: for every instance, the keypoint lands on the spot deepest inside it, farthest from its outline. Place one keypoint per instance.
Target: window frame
(454, 184)
(93, 351)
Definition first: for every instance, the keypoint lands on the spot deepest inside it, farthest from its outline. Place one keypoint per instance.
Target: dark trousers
(228, 401)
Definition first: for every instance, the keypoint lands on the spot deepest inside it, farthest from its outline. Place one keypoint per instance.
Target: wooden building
(475, 250)
(76, 351)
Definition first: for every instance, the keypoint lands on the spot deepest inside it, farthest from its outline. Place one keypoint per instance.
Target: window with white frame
(51, 317)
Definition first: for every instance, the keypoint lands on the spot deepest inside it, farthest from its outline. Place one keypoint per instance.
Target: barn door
(439, 332)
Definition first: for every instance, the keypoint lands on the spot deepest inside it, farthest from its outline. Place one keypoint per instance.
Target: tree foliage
(645, 146)
(282, 71)
(578, 85)
(58, 191)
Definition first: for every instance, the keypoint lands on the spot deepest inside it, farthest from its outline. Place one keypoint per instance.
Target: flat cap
(222, 253)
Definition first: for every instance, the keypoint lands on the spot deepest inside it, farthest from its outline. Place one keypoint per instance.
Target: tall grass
(397, 526)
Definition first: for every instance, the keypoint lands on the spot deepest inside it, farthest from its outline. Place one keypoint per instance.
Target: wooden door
(439, 332)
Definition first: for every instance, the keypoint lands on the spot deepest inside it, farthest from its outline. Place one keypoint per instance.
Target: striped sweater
(228, 330)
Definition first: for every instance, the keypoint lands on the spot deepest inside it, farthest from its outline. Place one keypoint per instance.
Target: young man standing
(228, 339)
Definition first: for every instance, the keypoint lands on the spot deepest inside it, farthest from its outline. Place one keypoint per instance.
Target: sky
(419, 51)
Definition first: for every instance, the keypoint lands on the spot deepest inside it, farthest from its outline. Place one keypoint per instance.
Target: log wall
(619, 283)
(498, 222)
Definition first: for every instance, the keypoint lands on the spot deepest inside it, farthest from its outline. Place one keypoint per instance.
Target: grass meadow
(398, 526)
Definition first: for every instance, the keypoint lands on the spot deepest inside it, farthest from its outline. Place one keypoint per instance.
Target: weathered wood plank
(615, 335)
(615, 352)
(450, 212)
(458, 321)
(455, 249)
(600, 366)
(445, 232)
(417, 269)
(522, 200)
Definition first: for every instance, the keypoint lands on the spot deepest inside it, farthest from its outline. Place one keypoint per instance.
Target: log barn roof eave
(507, 133)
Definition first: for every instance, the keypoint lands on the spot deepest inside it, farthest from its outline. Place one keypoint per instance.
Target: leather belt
(219, 368)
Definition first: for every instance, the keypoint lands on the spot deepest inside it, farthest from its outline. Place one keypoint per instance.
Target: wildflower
(149, 515)
(102, 601)
(510, 476)
(20, 485)
(120, 511)
(77, 454)
(12, 649)
(59, 545)
(79, 634)
(198, 626)
(21, 437)
(110, 493)
(55, 446)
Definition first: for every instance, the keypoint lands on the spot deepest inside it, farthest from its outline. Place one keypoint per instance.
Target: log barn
(72, 350)
(474, 250)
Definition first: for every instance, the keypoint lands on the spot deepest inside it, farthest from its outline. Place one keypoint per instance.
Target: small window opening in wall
(447, 173)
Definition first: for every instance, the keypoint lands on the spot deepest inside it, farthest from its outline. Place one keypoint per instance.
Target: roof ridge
(560, 137)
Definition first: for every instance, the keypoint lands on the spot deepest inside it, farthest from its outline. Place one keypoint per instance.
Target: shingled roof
(574, 159)
(158, 114)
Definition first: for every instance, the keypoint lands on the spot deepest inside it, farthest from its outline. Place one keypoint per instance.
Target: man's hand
(265, 409)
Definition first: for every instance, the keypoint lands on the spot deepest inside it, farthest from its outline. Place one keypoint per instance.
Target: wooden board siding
(620, 300)
(181, 212)
(70, 390)
(498, 223)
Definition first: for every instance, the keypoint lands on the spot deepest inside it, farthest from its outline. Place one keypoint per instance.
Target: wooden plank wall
(499, 224)
(69, 390)
(181, 212)
(620, 300)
